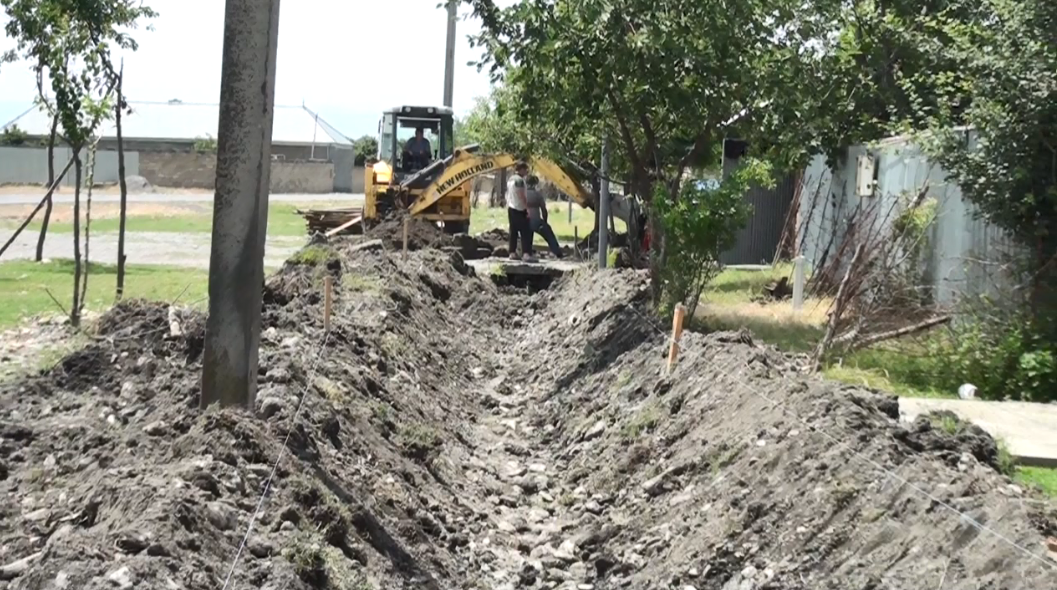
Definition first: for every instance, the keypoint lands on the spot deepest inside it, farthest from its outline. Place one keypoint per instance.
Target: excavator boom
(465, 164)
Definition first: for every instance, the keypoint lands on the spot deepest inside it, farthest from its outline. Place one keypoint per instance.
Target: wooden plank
(344, 226)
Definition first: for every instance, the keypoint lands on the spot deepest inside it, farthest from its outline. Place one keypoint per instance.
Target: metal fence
(757, 242)
(963, 255)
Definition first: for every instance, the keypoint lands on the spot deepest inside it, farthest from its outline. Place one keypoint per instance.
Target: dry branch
(900, 332)
(123, 210)
(838, 308)
(879, 295)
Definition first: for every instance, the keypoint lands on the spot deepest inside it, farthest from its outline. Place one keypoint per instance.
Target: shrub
(698, 226)
(1007, 359)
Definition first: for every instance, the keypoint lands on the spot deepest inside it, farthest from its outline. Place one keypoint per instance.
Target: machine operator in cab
(418, 149)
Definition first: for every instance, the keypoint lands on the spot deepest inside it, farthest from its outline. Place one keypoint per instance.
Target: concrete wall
(193, 170)
(964, 255)
(175, 169)
(302, 177)
(29, 165)
(179, 170)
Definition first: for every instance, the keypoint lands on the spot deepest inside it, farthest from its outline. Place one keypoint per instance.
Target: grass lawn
(1040, 477)
(282, 221)
(898, 367)
(24, 287)
(727, 303)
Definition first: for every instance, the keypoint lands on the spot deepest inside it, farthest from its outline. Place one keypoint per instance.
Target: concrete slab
(1029, 430)
(554, 268)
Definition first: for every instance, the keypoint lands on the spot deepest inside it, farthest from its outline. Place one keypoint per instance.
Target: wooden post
(407, 226)
(798, 283)
(677, 334)
(328, 300)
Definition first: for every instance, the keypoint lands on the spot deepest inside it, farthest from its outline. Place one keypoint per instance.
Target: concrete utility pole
(449, 55)
(240, 208)
(603, 207)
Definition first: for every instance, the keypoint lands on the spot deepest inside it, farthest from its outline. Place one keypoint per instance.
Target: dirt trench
(455, 434)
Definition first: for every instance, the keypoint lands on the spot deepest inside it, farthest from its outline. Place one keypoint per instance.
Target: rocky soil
(455, 434)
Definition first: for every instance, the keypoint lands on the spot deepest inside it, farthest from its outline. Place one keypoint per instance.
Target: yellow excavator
(435, 182)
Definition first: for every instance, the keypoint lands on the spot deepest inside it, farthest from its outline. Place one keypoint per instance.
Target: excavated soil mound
(457, 435)
(424, 235)
(421, 234)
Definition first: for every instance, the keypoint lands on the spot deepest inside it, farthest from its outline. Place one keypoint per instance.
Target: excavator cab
(399, 124)
(399, 176)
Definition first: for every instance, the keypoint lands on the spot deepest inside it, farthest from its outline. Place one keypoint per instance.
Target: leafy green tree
(68, 45)
(666, 80)
(364, 148)
(700, 224)
(1001, 84)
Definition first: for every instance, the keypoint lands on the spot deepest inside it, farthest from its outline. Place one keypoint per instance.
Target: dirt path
(168, 248)
(449, 433)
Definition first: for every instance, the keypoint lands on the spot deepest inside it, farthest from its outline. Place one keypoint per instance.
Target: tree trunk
(75, 309)
(51, 182)
(124, 187)
(87, 227)
(657, 254)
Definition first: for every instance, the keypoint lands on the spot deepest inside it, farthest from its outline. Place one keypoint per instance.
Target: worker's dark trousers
(544, 229)
(519, 226)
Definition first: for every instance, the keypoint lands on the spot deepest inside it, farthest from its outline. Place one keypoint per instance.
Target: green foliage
(205, 145)
(664, 79)
(68, 44)
(13, 136)
(365, 148)
(698, 226)
(1005, 358)
(1006, 58)
(911, 229)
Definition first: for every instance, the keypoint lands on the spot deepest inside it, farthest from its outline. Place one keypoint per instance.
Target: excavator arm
(466, 164)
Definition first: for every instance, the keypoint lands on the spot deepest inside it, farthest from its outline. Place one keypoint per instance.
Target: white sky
(346, 59)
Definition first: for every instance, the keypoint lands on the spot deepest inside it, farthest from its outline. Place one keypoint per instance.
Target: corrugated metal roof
(184, 121)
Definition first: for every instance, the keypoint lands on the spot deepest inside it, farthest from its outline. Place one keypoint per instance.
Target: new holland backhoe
(437, 187)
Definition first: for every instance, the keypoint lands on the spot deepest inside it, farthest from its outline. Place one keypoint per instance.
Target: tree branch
(898, 333)
(625, 131)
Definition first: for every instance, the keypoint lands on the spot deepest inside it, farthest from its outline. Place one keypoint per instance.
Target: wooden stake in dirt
(798, 283)
(677, 334)
(328, 301)
(407, 228)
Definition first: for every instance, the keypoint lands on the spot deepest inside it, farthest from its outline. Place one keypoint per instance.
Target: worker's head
(418, 132)
(532, 180)
(521, 168)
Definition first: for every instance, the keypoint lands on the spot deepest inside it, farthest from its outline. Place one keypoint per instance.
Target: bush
(698, 226)
(13, 136)
(1008, 359)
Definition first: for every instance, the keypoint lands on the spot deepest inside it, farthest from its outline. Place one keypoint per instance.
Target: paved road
(66, 198)
(168, 248)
